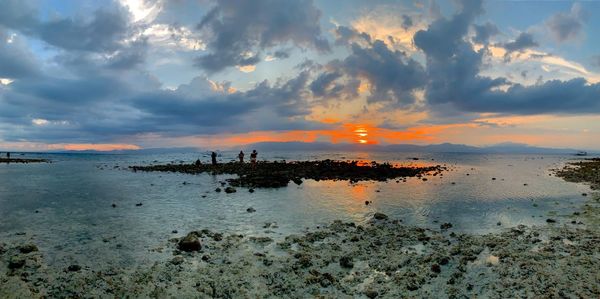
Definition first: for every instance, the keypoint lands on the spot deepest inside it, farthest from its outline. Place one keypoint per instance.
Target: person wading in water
(253, 156)
(214, 158)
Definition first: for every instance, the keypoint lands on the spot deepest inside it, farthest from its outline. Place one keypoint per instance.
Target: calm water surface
(75, 222)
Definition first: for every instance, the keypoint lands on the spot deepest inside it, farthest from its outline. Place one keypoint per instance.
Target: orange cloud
(345, 133)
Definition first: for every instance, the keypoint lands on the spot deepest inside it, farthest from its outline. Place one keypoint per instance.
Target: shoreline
(381, 258)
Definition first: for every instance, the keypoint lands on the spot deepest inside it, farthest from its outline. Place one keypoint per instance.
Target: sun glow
(361, 133)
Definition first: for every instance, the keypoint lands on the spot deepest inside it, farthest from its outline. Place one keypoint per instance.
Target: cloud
(346, 35)
(484, 32)
(238, 31)
(98, 108)
(555, 96)
(453, 69)
(522, 42)
(567, 26)
(16, 61)
(407, 22)
(323, 85)
(393, 77)
(102, 32)
(596, 61)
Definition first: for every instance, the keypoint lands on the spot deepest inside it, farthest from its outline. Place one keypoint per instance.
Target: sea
(66, 206)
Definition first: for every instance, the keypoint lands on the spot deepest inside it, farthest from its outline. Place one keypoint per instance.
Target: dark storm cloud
(320, 87)
(567, 26)
(70, 91)
(281, 54)
(453, 68)
(102, 32)
(100, 108)
(393, 77)
(346, 35)
(15, 60)
(484, 32)
(407, 22)
(238, 31)
(166, 109)
(523, 42)
(554, 96)
(194, 109)
(129, 57)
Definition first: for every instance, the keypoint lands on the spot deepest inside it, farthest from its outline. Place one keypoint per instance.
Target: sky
(129, 74)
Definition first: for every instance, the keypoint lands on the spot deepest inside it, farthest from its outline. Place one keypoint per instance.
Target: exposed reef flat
(585, 171)
(379, 259)
(24, 161)
(279, 174)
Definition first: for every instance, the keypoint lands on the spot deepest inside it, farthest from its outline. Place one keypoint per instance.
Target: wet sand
(379, 259)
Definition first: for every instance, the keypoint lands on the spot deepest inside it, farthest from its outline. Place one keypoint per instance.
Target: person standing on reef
(241, 156)
(7, 155)
(214, 158)
(253, 156)
(198, 163)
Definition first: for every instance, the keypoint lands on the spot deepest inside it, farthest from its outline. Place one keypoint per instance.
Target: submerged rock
(189, 243)
(346, 262)
(380, 216)
(27, 248)
(16, 262)
(230, 190)
(250, 210)
(371, 294)
(74, 268)
(446, 225)
(178, 260)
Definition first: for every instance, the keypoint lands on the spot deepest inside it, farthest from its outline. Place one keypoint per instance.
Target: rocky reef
(23, 161)
(378, 259)
(585, 171)
(279, 174)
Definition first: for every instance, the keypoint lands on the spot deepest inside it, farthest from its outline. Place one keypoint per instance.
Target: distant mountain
(507, 148)
(502, 148)
(148, 151)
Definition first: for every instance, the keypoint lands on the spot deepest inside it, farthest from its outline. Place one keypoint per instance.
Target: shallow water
(76, 223)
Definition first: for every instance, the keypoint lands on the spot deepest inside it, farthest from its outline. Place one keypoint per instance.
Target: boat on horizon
(581, 153)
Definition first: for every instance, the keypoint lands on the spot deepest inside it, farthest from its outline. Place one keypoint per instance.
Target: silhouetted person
(253, 156)
(241, 156)
(198, 163)
(7, 155)
(214, 158)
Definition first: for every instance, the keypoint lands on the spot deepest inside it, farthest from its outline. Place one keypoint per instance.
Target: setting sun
(361, 133)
